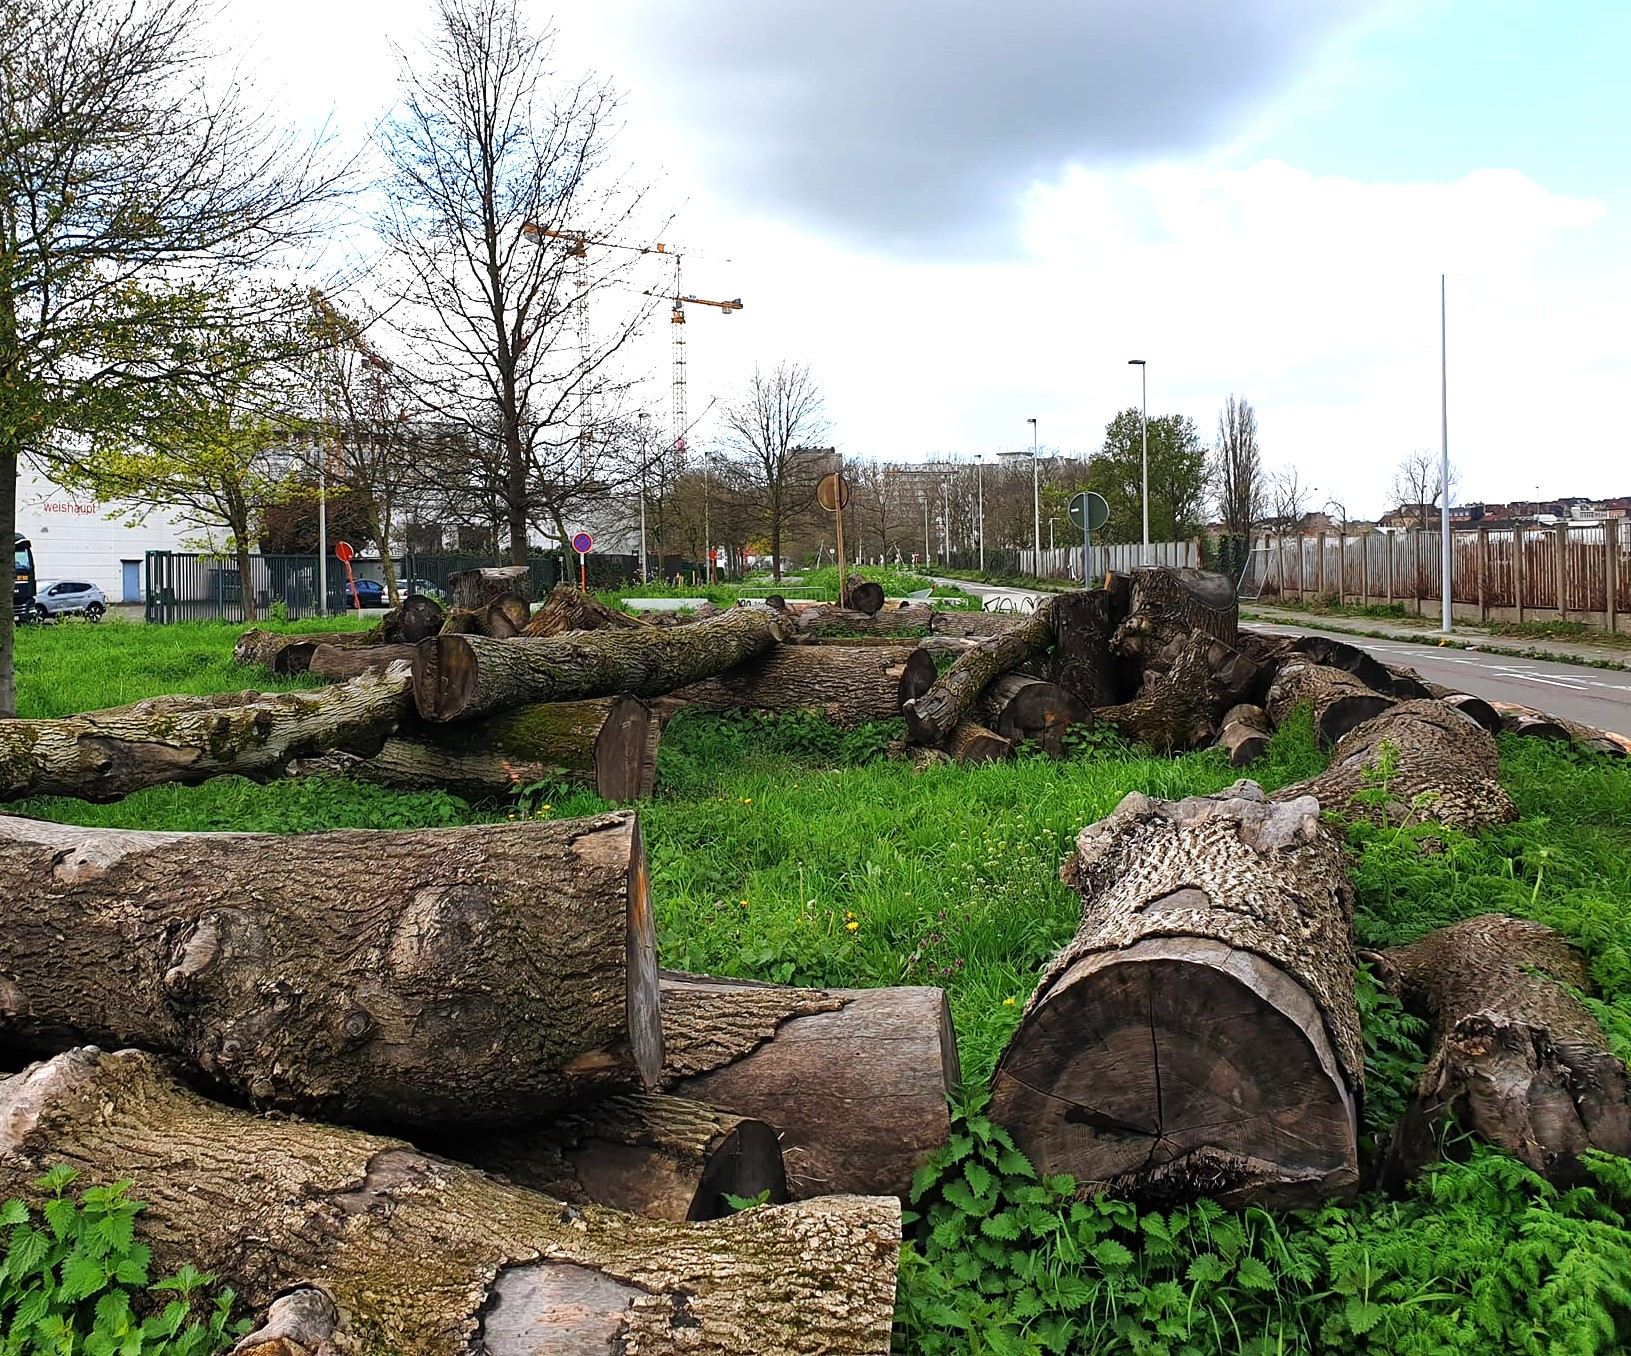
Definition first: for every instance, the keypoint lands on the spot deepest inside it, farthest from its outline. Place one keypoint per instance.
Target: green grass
(782, 849)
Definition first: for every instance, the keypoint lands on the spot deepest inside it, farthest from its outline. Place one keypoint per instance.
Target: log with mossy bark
(365, 1245)
(1338, 699)
(1338, 654)
(483, 974)
(855, 1080)
(569, 608)
(1419, 761)
(467, 677)
(931, 718)
(607, 744)
(846, 684)
(1199, 1035)
(647, 1153)
(1514, 1056)
(103, 755)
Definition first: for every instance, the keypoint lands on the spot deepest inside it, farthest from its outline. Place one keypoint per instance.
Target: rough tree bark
(1339, 700)
(1167, 603)
(856, 1080)
(471, 589)
(1418, 760)
(608, 744)
(931, 717)
(341, 663)
(501, 617)
(1244, 734)
(1083, 663)
(1177, 706)
(483, 974)
(1533, 724)
(571, 609)
(905, 620)
(417, 1254)
(1199, 1036)
(649, 1154)
(972, 622)
(465, 677)
(1515, 1057)
(1338, 654)
(103, 755)
(1032, 710)
(847, 684)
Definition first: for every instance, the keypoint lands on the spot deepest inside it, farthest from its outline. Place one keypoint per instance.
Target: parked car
(367, 592)
(67, 597)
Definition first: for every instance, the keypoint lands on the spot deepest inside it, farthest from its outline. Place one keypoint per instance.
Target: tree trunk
(1417, 761)
(1337, 654)
(1167, 604)
(1516, 1058)
(246, 579)
(930, 718)
(969, 622)
(1533, 724)
(826, 620)
(483, 974)
(409, 622)
(1178, 705)
(471, 589)
(1032, 710)
(1245, 734)
(846, 684)
(103, 755)
(417, 1254)
(1199, 1036)
(1339, 700)
(570, 609)
(465, 677)
(287, 655)
(649, 1154)
(970, 744)
(1083, 663)
(608, 744)
(8, 528)
(340, 663)
(856, 1080)
(502, 617)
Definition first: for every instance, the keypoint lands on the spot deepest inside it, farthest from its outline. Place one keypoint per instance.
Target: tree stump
(1339, 700)
(1515, 1057)
(1083, 662)
(417, 1254)
(1198, 1037)
(856, 1080)
(476, 975)
(472, 589)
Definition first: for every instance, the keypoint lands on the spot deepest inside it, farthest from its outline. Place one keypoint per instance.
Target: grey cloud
(906, 122)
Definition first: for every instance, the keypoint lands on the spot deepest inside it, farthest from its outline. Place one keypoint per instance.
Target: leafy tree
(1177, 477)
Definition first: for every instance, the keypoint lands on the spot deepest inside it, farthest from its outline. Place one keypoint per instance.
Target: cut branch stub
(1199, 1036)
(1339, 700)
(421, 1255)
(483, 974)
(1515, 1057)
(931, 717)
(465, 677)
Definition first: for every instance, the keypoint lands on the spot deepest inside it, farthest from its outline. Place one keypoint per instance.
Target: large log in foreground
(1515, 1056)
(1199, 1036)
(847, 684)
(483, 974)
(391, 1251)
(103, 755)
(856, 1080)
(465, 677)
(931, 717)
(1419, 760)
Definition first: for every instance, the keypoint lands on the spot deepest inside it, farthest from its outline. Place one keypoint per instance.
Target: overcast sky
(962, 215)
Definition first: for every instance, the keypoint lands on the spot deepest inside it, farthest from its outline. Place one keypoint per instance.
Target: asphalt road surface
(1600, 697)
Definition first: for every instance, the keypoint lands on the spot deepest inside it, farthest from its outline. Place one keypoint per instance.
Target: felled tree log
(1198, 1037)
(1338, 654)
(1407, 682)
(1339, 700)
(1515, 1057)
(855, 1080)
(892, 621)
(472, 589)
(417, 1254)
(499, 618)
(968, 621)
(846, 684)
(1418, 761)
(862, 595)
(608, 744)
(1469, 705)
(571, 609)
(1032, 710)
(341, 663)
(446, 976)
(409, 622)
(970, 743)
(931, 717)
(1245, 734)
(287, 655)
(1178, 707)
(1533, 724)
(649, 1154)
(1167, 604)
(465, 677)
(103, 755)
(1083, 662)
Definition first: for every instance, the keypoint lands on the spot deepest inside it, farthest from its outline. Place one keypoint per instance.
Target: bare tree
(1418, 487)
(770, 433)
(1237, 468)
(1288, 499)
(135, 186)
(1337, 509)
(501, 210)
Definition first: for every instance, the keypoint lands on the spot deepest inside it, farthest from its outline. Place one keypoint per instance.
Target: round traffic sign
(1091, 505)
(582, 542)
(343, 551)
(833, 492)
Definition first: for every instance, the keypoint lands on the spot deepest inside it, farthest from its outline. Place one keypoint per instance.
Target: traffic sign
(1092, 507)
(343, 551)
(582, 543)
(833, 493)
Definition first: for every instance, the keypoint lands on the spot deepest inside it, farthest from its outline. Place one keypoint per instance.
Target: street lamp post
(1446, 566)
(1036, 501)
(1144, 430)
(979, 484)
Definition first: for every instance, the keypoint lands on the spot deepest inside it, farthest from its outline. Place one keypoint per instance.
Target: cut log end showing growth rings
(1199, 1034)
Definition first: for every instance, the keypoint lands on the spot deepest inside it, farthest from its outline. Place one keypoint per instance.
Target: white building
(77, 537)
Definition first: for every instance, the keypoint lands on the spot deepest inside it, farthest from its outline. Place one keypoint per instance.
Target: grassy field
(785, 850)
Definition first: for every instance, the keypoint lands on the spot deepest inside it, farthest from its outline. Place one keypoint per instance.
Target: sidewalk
(1468, 636)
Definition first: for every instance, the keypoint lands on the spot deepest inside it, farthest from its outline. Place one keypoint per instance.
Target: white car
(68, 597)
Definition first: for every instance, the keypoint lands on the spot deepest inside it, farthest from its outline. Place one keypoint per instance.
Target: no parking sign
(581, 544)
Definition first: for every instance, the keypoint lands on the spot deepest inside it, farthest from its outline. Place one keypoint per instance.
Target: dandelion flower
(851, 926)
(747, 800)
(1008, 1002)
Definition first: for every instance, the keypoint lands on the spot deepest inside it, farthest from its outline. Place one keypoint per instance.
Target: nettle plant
(74, 1279)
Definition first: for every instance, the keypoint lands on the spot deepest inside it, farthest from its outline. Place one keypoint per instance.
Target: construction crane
(680, 300)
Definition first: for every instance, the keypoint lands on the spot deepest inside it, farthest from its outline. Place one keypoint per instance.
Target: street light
(1144, 428)
(979, 484)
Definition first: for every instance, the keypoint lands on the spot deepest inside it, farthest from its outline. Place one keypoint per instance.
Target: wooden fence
(1577, 572)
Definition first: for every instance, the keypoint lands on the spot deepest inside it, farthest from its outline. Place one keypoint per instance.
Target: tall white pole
(1036, 502)
(1445, 582)
(1144, 428)
(979, 482)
